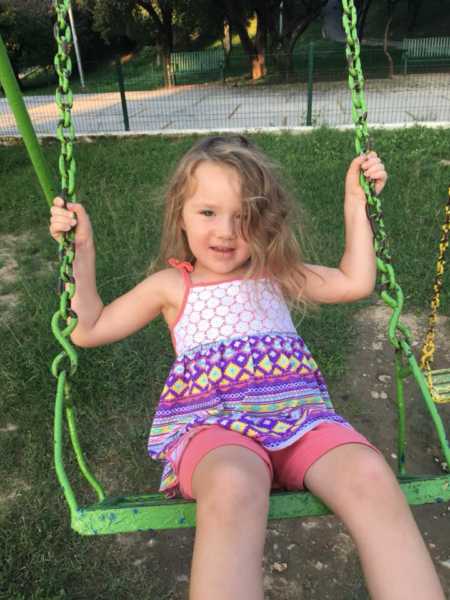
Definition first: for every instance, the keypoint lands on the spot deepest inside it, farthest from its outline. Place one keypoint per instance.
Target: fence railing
(307, 88)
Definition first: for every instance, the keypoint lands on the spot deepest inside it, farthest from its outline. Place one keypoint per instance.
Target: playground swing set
(129, 513)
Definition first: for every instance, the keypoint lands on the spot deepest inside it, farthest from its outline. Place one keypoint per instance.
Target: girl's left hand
(373, 170)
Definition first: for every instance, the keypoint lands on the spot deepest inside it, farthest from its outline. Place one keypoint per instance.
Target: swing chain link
(428, 349)
(64, 320)
(391, 292)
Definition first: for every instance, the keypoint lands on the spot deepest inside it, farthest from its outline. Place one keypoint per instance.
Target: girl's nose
(227, 227)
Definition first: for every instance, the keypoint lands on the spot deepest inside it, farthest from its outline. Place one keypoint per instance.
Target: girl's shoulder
(170, 287)
(169, 281)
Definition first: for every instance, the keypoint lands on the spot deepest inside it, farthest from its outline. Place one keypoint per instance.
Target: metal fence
(309, 88)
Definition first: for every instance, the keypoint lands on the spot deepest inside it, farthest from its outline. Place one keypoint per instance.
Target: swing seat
(153, 511)
(440, 379)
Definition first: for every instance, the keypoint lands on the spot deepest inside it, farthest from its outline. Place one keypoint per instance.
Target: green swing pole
(12, 91)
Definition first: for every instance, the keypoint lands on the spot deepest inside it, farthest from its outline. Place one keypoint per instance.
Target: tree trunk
(413, 13)
(16, 72)
(256, 55)
(362, 17)
(164, 35)
(258, 66)
(385, 47)
(294, 27)
(227, 41)
(169, 79)
(159, 54)
(256, 50)
(261, 37)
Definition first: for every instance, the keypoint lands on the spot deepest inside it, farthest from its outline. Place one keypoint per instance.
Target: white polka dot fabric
(230, 309)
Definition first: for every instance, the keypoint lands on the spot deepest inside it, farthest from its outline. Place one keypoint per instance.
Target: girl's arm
(99, 324)
(356, 275)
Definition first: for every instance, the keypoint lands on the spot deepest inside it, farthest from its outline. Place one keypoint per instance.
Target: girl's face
(211, 221)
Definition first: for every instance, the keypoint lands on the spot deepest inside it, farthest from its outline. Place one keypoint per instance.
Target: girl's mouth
(222, 249)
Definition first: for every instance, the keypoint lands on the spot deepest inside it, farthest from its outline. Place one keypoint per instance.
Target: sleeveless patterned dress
(240, 364)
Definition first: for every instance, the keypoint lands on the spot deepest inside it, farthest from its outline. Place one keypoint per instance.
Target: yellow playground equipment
(438, 380)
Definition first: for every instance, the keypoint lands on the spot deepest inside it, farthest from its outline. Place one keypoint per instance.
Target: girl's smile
(223, 250)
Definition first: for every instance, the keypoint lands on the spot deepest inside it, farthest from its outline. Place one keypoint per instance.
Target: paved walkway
(414, 98)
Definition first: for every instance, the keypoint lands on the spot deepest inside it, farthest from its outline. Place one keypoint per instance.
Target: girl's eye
(210, 213)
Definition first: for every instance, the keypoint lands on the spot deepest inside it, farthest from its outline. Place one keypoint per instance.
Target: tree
(296, 16)
(412, 11)
(27, 29)
(414, 7)
(238, 14)
(113, 20)
(199, 23)
(362, 8)
(149, 20)
(390, 8)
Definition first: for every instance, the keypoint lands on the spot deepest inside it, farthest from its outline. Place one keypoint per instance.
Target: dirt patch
(8, 274)
(8, 270)
(315, 558)
(8, 252)
(17, 488)
(8, 428)
(8, 302)
(11, 246)
(379, 316)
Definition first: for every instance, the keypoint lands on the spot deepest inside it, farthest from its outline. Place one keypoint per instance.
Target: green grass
(117, 387)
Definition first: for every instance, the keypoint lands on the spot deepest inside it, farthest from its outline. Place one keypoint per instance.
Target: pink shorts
(287, 467)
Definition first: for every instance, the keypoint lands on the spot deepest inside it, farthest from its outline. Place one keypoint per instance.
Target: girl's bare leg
(231, 485)
(360, 488)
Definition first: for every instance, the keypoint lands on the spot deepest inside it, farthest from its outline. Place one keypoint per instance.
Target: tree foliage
(165, 24)
(27, 29)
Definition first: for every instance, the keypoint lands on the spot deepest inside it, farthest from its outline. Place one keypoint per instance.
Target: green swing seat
(124, 514)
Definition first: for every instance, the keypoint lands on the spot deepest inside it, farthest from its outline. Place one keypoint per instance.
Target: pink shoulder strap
(183, 266)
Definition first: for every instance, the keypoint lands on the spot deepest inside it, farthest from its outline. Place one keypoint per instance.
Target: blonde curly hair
(270, 217)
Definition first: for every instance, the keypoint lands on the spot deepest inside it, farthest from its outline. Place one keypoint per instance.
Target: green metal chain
(65, 319)
(391, 292)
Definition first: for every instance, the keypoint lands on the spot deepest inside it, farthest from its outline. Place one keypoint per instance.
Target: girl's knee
(371, 480)
(231, 482)
(351, 476)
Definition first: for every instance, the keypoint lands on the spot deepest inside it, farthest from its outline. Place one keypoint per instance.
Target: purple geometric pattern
(267, 387)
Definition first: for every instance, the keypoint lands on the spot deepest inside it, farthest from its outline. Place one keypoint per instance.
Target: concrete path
(414, 98)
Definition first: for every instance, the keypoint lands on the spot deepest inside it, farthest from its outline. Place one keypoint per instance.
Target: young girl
(245, 407)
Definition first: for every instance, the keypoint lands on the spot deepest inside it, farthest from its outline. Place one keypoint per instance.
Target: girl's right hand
(64, 219)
